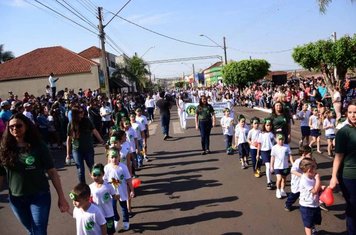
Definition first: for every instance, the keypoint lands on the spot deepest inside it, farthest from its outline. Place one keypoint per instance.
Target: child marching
(252, 139)
(227, 124)
(241, 132)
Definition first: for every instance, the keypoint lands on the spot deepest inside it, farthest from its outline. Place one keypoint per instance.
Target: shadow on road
(180, 172)
(156, 226)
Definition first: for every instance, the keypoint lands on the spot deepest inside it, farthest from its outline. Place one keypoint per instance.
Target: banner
(219, 107)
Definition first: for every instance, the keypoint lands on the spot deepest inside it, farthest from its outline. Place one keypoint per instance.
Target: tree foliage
(134, 69)
(323, 5)
(325, 55)
(5, 55)
(244, 71)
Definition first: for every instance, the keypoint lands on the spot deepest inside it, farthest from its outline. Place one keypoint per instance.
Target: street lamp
(222, 47)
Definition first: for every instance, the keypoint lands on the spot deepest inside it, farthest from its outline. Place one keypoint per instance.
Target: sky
(257, 29)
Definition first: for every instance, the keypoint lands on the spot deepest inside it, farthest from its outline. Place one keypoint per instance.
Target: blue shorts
(330, 137)
(266, 156)
(244, 150)
(310, 216)
(305, 130)
(315, 133)
(283, 172)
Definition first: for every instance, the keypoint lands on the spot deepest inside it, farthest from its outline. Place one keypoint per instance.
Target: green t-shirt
(345, 142)
(280, 123)
(28, 175)
(205, 112)
(85, 140)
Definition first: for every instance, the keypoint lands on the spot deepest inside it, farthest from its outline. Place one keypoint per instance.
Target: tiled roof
(43, 61)
(91, 53)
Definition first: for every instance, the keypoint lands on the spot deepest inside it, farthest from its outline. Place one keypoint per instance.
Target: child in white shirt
(296, 173)
(102, 194)
(119, 176)
(265, 143)
(329, 127)
(241, 131)
(280, 154)
(89, 217)
(227, 124)
(309, 187)
(314, 124)
(252, 139)
(304, 116)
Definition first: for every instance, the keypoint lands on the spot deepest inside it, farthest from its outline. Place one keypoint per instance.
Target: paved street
(183, 192)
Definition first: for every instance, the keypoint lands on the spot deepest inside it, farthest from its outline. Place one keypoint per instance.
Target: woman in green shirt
(204, 121)
(344, 166)
(25, 160)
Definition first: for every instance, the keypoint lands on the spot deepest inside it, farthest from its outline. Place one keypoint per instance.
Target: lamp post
(222, 47)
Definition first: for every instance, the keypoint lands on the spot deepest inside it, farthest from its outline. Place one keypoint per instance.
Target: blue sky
(257, 28)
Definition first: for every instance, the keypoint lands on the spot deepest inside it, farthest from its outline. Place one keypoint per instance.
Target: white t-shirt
(314, 122)
(105, 113)
(150, 103)
(281, 155)
(131, 135)
(241, 134)
(121, 173)
(125, 150)
(51, 81)
(294, 178)
(89, 222)
(137, 127)
(307, 198)
(252, 136)
(143, 121)
(227, 125)
(29, 115)
(266, 139)
(102, 197)
(327, 122)
(304, 117)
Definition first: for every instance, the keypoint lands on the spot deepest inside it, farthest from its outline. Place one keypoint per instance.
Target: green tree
(325, 55)
(135, 70)
(244, 71)
(5, 55)
(323, 5)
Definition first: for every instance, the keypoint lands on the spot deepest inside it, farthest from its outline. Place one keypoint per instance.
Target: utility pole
(224, 39)
(335, 69)
(103, 61)
(193, 75)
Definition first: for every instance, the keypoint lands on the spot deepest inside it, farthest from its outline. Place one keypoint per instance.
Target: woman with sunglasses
(25, 160)
(80, 133)
(204, 121)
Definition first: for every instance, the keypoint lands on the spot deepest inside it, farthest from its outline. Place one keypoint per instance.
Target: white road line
(152, 128)
(177, 129)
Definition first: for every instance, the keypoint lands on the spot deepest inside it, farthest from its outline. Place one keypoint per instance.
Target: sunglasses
(17, 126)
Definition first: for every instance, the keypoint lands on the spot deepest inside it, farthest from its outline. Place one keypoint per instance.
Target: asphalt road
(183, 192)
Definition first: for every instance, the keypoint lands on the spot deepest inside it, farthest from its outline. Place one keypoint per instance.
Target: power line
(113, 42)
(91, 3)
(65, 17)
(91, 10)
(261, 52)
(79, 16)
(162, 35)
(118, 12)
(92, 24)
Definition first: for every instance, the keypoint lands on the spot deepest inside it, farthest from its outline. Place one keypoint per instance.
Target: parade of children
(251, 141)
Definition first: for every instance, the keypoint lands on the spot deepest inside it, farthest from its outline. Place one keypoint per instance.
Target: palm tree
(323, 5)
(135, 70)
(5, 55)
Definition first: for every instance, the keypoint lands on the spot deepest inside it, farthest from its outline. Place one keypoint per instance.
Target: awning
(118, 83)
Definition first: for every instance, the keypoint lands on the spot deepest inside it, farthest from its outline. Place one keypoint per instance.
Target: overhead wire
(79, 16)
(55, 11)
(91, 3)
(160, 34)
(118, 12)
(91, 10)
(74, 9)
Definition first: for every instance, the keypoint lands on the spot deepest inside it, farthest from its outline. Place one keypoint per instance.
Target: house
(29, 72)
(213, 74)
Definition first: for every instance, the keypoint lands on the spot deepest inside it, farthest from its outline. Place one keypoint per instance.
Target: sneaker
(126, 226)
(243, 166)
(257, 174)
(269, 186)
(300, 143)
(146, 159)
(314, 231)
(283, 193)
(72, 161)
(203, 153)
(68, 161)
(278, 194)
(323, 207)
(116, 224)
(286, 208)
(165, 137)
(208, 151)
